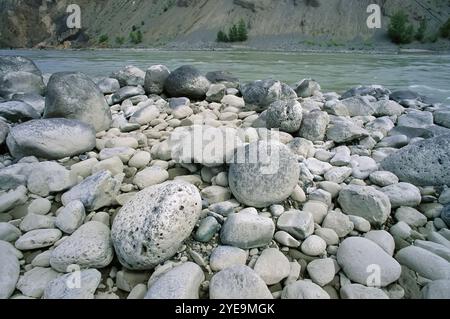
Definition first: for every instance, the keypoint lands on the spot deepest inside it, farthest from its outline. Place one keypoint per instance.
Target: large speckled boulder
(155, 77)
(161, 217)
(285, 115)
(425, 163)
(265, 179)
(76, 96)
(187, 81)
(88, 247)
(260, 94)
(50, 138)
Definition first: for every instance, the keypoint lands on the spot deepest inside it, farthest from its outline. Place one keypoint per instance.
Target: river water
(425, 73)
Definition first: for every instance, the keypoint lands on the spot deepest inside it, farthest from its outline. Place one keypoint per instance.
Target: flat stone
(9, 270)
(226, 256)
(297, 223)
(411, 216)
(38, 238)
(272, 266)
(33, 282)
(402, 194)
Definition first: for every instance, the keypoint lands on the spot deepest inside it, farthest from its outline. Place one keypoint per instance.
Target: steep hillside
(195, 23)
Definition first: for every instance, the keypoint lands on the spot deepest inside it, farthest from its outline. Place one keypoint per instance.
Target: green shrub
(400, 30)
(136, 37)
(420, 34)
(445, 29)
(222, 36)
(103, 38)
(236, 33)
(120, 40)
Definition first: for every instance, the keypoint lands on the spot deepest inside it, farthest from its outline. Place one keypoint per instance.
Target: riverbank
(181, 184)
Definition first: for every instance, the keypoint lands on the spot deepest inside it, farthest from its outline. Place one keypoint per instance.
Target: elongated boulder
(260, 94)
(425, 163)
(161, 217)
(263, 173)
(15, 111)
(51, 138)
(76, 96)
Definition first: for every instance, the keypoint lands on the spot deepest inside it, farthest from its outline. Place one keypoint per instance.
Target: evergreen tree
(400, 30)
(445, 29)
(420, 35)
(233, 33)
(222, 36)
(242, 31)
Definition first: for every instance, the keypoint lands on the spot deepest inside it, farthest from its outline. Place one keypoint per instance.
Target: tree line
(236, 33)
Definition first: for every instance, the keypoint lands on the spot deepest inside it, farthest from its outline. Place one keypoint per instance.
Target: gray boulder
(96, 191)
(76, 96)
(108, 85)
(442, 117)
(238, 282)
(88, 247)
(438, 289)
(359, 106)
(314, 125)
(126, 92)
(343, 130)
(155, 77)
(4, 130)
(285, 115)
(306, 88)
(181, 282)
(36, 101)
(15, 111)
(360, 258)
(19, 75)
(129, 75)
(161, 217)
(425, 163)
(51, 138)
(187, 81)
(266, 179)
(260, 94)
(376, 91)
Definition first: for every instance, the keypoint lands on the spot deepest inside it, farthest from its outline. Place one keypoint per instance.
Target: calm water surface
(427, 74)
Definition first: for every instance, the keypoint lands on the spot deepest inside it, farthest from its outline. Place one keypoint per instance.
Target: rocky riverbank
(173, 184)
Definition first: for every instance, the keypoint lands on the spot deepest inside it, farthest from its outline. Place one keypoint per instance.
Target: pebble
(9, 232)
(38, 238)
(226, 256)
(58, 288)
(322, 271)
(329, 235)
(314, 246)
(33, 282)
(339, 223)
(410, 216)
(207, 229)
(357, 291)
(297, 223)
(272, 266)
(383, 239)
(303, 289)
(360, 224)
(70, 217)
(9, 270)
(39, 206)
(402, 194)
(150, 176)
(33, 221)
(285, 239)
(238, 282)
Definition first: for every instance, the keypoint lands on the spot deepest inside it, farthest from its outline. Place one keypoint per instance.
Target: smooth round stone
(269, 180)
(238, 282)
(411, 216)
(339, 223)
(272, 266)
(360, 224)
(39, 206)
(318, 209)
(403, 194)
(38, 238)
(383, 178)
(247, 230)
(215, 194)
(33, 221)
(322, 271)
(150, 176)
(329, 235)
(383, 239)
(356, 291)
(9, 270)
(140, 159)
(297, 223)
(314, 246)
(285, 115)
(89, 280)
(181, 282)
(88, 247)
(360, 257)
(285, 239)
(9, 232)
(363, 166)
(161, 217)
(33, 282)
(71, 217)
(186, 81)
(438, 289)
(303, 289)
(207, 229)
(226, 256)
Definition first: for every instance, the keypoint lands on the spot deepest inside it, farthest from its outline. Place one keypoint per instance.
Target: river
(428, 74)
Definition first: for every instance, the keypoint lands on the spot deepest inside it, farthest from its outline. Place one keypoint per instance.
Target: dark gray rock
(402, 95)
(376, 91)
(17, 111)
(260, 94)
(222, 77)
(285, 115)
(425, 163)
(51, 138)
(161, 217)
(269, 179)
(155, 77)
(4, 130)
(75, 96)
(187, 81)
